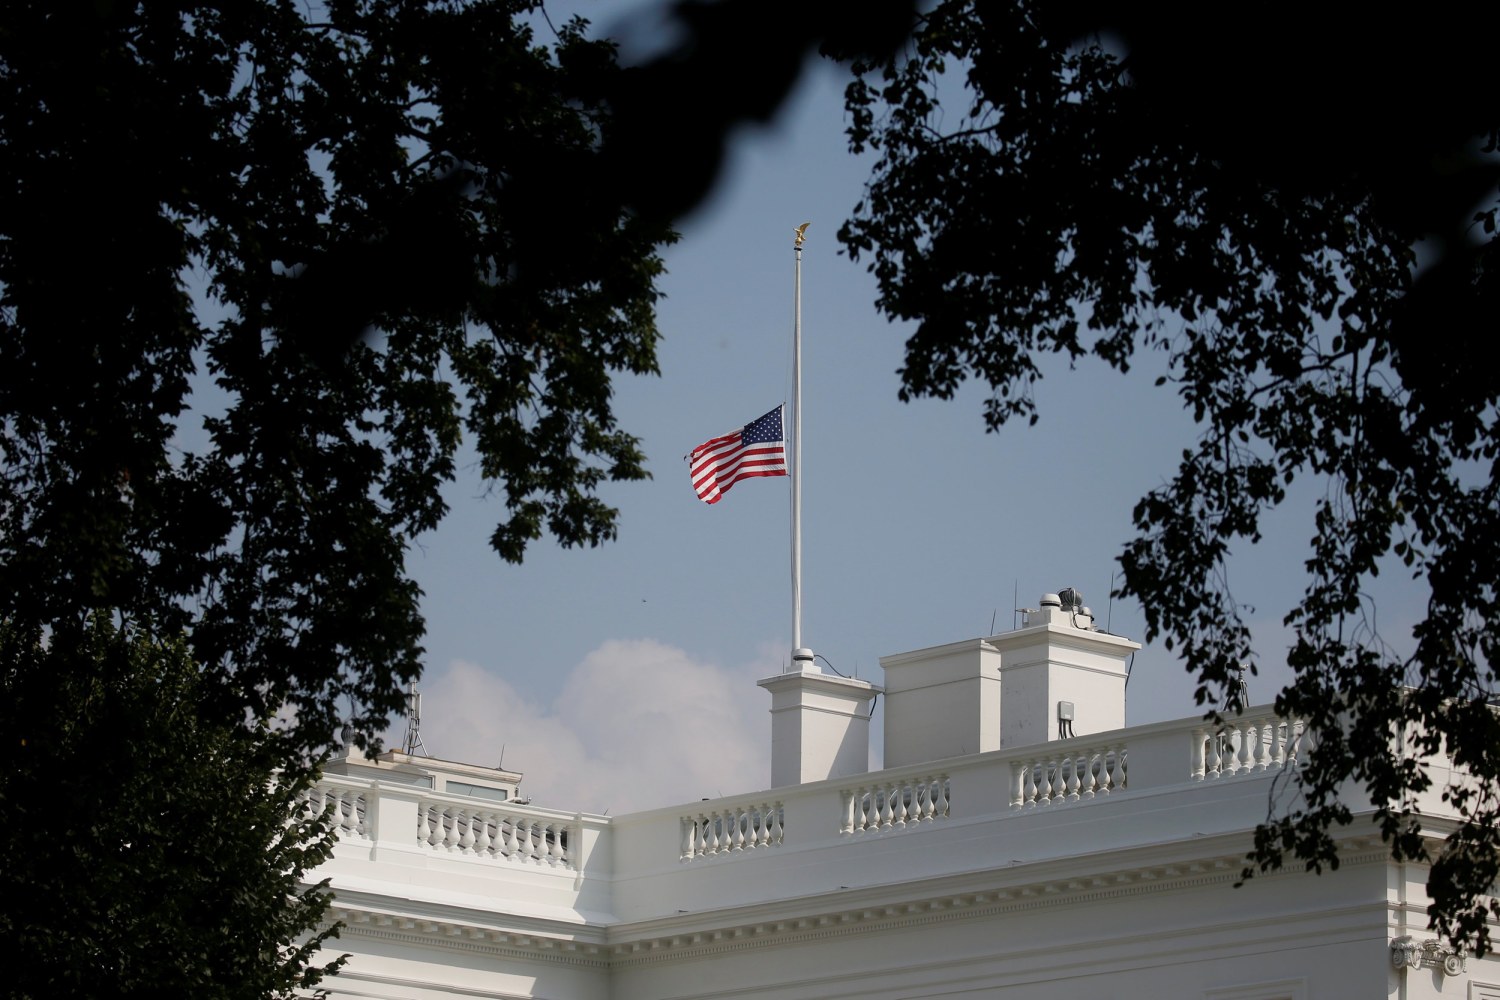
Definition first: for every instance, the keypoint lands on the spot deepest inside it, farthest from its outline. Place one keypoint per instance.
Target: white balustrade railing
(901, 802)
(347, 807)
(1065, 772)
(1246, 745)
(989, 786)
(495, 833)
(732, 828)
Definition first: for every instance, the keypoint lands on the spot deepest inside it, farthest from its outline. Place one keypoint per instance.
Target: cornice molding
(647, 942)
(456, 935)
(943, 907)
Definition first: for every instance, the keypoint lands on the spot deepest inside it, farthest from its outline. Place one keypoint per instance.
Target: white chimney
(1057, 676)
(820, 725)
(1059, 661)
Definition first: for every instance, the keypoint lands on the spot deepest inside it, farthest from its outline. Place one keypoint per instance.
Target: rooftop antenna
(1109, 609)
(411, 744)
(1241, 688)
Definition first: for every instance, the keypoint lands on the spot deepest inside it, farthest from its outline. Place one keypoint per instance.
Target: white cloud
(638, 724)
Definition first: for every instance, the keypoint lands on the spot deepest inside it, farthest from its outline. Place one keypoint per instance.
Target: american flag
(757, 449)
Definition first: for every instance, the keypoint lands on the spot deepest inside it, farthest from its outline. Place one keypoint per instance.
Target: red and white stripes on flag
(757, 449)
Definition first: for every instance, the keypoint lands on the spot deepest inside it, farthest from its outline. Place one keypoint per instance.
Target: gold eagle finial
(801, 232)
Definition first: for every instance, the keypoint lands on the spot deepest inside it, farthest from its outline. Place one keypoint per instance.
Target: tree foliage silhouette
(377, 228)
(263, 266)
(148, 851)
(1243, 195)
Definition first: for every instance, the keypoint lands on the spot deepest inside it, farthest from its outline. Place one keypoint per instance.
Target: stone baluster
(424, 825)
(482, 833)
(520, 839)
(1198, 754)
(1260, 752)
(539, 845)
(1088, 778)
(1280, 732)
(525, 840)
(454, 822)
(451, 832)
(505, 833)
(487, 834)
(736, 831)
(463, 824)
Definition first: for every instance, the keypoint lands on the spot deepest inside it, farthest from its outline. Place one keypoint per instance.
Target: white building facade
(1021, 843)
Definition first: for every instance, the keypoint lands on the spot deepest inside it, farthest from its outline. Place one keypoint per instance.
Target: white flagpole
(802, 658)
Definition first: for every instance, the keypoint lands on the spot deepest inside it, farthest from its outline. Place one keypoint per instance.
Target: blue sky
(623, 677)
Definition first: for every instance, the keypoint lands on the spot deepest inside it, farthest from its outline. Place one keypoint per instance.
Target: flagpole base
(802, 660)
